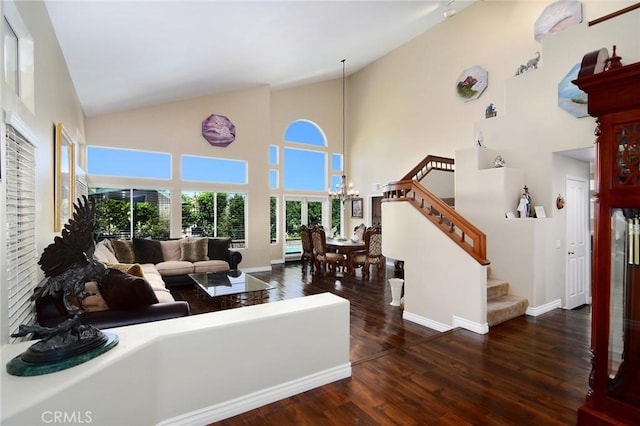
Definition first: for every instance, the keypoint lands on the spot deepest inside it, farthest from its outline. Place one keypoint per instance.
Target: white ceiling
(125, 54)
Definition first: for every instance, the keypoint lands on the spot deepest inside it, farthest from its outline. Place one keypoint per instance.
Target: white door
(578, 243)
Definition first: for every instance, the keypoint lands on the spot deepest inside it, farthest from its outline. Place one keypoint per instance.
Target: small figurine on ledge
(614, 61)
(524, 206)
(490, 112)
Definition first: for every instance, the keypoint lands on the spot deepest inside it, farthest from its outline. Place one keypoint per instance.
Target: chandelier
(343, 192)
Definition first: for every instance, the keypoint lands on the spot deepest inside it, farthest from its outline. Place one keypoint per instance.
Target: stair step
(504, 308)
(496, 288)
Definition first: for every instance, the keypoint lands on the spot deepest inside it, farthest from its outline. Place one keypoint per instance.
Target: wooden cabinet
(614, 382)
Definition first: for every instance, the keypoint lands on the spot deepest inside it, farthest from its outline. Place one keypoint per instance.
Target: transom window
(128, 163)
(210, 169)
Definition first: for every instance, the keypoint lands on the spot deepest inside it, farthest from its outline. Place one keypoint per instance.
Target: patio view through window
(129, 213)
(214, 214)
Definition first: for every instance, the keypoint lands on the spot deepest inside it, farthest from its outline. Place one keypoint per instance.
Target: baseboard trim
(470, 325)
(256, 269)
(434, 325)
(543, 309)
(254, 400)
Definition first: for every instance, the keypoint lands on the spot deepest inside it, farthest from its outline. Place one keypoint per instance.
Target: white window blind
(21, 227)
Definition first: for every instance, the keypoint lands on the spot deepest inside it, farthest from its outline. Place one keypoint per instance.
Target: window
(273, 179)
(127, 213)
(273, 155)
(336, 212)
(11, 57)
(306, 132)
(128, 163)
(273, 218)
(274, 160)
(209, 169)
(20, 227)
(215, 214)
(19, 55)
(336, 162)
(305, 170)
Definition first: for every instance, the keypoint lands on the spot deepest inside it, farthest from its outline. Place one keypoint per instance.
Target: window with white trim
(21, 227)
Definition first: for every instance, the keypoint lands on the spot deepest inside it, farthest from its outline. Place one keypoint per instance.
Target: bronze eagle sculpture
(69, 262)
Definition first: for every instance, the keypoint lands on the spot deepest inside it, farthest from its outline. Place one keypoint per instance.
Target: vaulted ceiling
(128, 54)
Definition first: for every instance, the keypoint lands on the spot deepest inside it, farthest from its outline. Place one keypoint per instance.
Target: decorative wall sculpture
(472, 83)
(570, 97)
(218, 130)
(556, 17)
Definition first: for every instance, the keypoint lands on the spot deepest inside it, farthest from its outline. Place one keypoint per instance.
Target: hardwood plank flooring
(527, 371)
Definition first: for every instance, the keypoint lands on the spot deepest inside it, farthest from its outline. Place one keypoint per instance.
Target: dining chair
(307, 246)
(321, 257)
(372, 253)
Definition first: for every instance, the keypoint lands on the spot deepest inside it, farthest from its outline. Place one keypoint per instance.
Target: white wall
(444, 286)
(55, 100)
(192, 370)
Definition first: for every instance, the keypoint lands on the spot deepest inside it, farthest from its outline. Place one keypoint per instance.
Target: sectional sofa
(136, 290)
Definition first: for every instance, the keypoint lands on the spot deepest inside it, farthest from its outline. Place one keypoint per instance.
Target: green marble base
(18, 367)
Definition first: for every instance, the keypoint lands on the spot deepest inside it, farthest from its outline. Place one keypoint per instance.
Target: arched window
(305, 169)
(306, 132)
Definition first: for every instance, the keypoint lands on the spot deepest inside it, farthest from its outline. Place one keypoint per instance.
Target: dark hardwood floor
(527, 371)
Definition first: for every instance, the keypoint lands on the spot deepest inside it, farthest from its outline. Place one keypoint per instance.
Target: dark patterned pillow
(123, 291)
(124, 251)
(219, 248)
(147, 251)
(194, 250)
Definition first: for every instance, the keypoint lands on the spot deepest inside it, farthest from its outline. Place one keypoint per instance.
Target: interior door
(578, 243)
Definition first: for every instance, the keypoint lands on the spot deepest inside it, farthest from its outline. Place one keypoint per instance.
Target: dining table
(347, 247)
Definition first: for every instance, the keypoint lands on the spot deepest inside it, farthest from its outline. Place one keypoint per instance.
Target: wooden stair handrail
(456, 227)
(430, 162)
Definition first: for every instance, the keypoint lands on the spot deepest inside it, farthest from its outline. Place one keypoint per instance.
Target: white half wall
(443, 285)
(192, 370)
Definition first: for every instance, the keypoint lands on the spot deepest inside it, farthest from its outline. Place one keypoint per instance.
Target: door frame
(304, 200)
(587, 238)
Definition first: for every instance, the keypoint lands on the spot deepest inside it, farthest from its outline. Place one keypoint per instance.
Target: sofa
(140, 272)
(173, 259)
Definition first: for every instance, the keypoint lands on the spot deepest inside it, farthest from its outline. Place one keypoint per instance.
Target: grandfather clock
(614, 383)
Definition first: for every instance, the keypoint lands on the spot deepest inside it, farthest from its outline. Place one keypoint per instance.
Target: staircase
(502, 306)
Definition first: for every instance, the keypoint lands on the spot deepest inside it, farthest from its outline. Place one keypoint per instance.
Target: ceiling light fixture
(450, 11)
(343, 192)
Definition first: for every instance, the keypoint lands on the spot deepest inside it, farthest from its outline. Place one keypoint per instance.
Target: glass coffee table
(231, 288)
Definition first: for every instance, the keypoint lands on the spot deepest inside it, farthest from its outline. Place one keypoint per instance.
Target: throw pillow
(194, 250)
(170, 249)
(103, 252)
(124, 291)
(124, 250)
(147, 251)
(128, 268)
(218, 248)
(93, 303)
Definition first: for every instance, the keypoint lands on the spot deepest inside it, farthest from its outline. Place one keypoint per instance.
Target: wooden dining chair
(307, 247)
(321, 257)
(372, 253)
